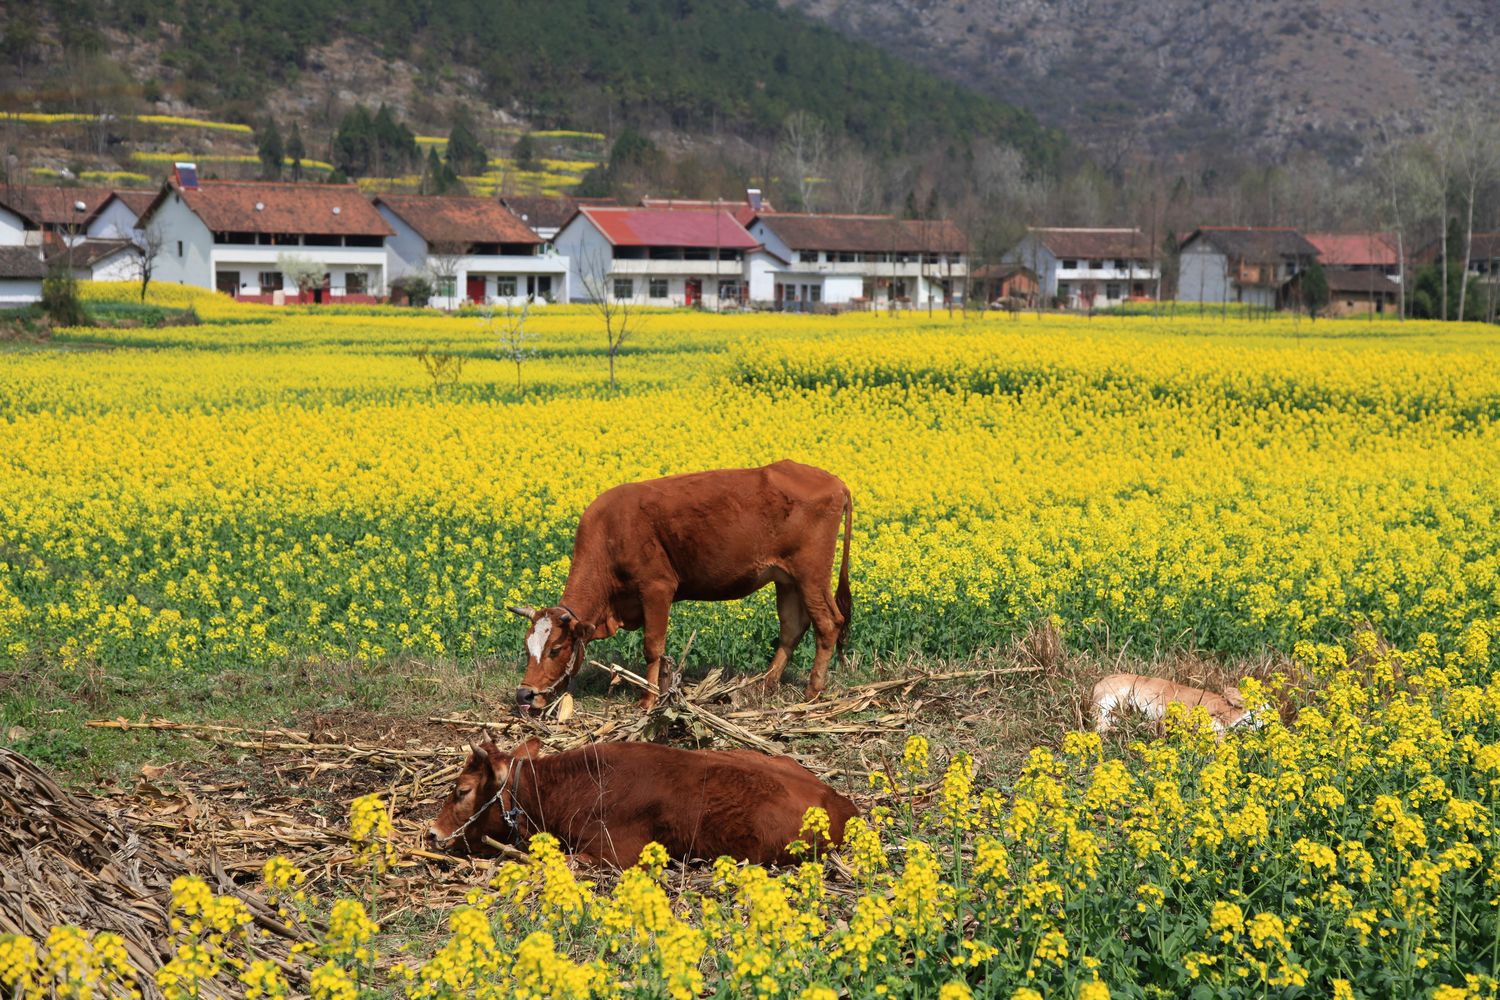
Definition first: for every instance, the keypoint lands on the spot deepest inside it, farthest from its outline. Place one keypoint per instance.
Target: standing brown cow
(703, 536)
(606, 801)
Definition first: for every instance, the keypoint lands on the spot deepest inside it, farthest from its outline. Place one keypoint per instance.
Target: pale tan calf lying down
(1151, 695)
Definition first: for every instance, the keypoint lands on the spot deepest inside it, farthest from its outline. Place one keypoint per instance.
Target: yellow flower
(371, 834)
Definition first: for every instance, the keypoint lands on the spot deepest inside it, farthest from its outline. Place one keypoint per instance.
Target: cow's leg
(826, 622)
(656, 607)
(794, 622)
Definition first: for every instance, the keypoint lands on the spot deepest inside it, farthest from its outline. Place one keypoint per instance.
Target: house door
(475, 289)
(693, 291)
(228, 282)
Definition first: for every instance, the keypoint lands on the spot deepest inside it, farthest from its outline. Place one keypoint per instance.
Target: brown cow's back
(725, 533)
(609, 800)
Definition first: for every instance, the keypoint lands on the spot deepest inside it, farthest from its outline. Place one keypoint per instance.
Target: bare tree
(145, 248)
(618, 314)
(509, 331)
(1475, 160)
(804, 153)
(444, 260)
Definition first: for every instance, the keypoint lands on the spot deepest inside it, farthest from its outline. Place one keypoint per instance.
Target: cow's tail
(842, 597)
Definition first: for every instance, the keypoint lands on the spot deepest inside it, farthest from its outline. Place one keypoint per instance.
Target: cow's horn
(525, 611)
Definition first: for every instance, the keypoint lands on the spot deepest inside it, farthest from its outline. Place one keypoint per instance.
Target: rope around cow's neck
(571, 670)
(510, 815)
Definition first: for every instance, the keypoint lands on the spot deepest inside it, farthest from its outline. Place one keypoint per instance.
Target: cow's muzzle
(527, 700)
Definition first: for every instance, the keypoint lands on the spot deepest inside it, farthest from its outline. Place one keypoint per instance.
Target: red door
(476, 289)
(693, 291)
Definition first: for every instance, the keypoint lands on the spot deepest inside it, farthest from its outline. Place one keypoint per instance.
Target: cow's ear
(530, 750)
(499, 764)
(582, 631)
(524, 610)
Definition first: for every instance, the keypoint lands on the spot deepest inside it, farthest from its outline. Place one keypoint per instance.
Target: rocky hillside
(1207, 76)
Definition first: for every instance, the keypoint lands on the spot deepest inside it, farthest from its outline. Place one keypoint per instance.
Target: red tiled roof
(1355, 249)
(137, 201)
(663, 227)
(1095, 244)
(744, 213)
(539, 210)
(280, 207)
(442, 219)
(55, 206)
(865, 233)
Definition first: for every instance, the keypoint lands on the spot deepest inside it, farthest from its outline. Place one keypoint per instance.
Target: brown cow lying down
(606, 801)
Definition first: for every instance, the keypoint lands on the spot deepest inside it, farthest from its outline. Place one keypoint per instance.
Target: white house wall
(1203, 275)
(12, 229)
(186, 255)
(406, 252)
(20, 291)
(584, 247)
(115, 222)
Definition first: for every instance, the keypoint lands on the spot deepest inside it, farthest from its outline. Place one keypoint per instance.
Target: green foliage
(271, 151)
(524, 152)
(296, 151)
(688, 64)
(1426, 299)
(1314, 290)
(466, 154)
(60, 295)
(373, 145)
(438, 177)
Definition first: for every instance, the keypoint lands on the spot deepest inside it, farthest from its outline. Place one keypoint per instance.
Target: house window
(1070, 265)
(1095, 265)
(729, 290)
(815, 293)
(1112, 292)
(356, 283)
(847, 257)
(1063, 290)
(658, 289)
(808, 256)
(447, 286)
(624, 288)
(179, 248)
(505, 286)
(270, 281)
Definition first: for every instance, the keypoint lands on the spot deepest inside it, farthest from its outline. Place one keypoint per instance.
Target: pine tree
(296, 151)
(525, 152)
(270, 151)
(438, 177)
(466, 154)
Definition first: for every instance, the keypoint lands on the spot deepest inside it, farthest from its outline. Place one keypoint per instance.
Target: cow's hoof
(812, 694)
(648, 702)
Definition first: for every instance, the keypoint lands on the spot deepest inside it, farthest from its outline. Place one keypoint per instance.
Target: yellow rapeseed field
(273, 485)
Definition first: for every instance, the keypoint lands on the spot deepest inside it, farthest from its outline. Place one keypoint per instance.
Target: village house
(841, 260)
(99, 260)
(543, 214)
(50, 215)
(1089, 268)
(1351, 292)
(664, 256)
(1241, 264)
(1004, 284)
(474, 250)
(16, 227)
(118, 217)
(1363, 252)
(230, 235)
(21, 274)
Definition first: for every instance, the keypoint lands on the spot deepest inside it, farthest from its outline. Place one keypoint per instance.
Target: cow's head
(554, 652)
(484, 786)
